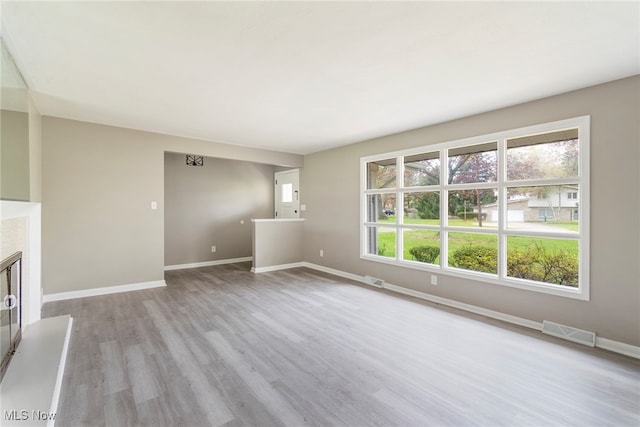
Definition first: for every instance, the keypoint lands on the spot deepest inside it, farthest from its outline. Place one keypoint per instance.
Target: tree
(422, 172)
(570, 157)
(427, 205)
(381, 176)
(475, 167)
(523, 164)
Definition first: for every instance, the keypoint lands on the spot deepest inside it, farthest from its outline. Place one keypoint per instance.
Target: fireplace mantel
(31, 253)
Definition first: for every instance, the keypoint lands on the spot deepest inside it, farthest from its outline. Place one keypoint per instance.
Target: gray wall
(14, 152)
(330, 183)
(98, 182)
(205, 205)
(20, 153)
(277, 242)
(35, 152)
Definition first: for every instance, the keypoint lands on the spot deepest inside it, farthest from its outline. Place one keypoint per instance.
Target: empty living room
(314, 213)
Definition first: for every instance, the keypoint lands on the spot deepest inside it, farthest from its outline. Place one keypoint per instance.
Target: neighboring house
(554, 204)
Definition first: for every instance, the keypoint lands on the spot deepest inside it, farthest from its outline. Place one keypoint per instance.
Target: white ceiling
(302, 77)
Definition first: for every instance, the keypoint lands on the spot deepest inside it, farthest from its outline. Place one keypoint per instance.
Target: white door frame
(287, 194)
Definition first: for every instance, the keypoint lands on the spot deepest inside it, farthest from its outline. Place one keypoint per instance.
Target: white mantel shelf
(31, 386)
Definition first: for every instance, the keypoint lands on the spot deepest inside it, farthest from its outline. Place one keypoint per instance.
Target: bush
(534, 263)
(476, 258)
(382, 249)
(560, 268)
(425, 253)
(519, 264)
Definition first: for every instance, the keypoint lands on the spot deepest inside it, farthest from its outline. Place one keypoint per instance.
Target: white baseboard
(102, 291)
(604, 343)
(618, 347)
(277, 267)
(206, 263)
(338, 273)
(466, 307)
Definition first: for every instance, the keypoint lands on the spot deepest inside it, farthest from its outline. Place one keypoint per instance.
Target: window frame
(582, 124)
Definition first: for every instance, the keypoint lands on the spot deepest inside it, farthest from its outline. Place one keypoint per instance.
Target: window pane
(287, 193)
(476, 163)
(381, 241)
(550, 155)
(381, 207)
(543, 260)
(421, 246)
(472, 251)
(549, 208)
(422, 208)
(381, 174)
(473, 208)
(422, 169)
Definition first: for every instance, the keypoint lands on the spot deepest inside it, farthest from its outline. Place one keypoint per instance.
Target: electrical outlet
(213, 249)
(321, 253)
(434, 280)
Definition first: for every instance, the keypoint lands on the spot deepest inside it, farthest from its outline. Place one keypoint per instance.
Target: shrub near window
(425, 253)
(536, 263)
(476, 258)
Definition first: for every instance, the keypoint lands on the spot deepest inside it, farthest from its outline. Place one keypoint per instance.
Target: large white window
(509, 208)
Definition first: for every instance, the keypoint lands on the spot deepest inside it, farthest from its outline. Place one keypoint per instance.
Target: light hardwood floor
(221, 346)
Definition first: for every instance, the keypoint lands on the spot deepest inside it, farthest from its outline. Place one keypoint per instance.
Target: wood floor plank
(113, 367)
(120, 410)
(278, 328)
(143, 384)
(262, 389)
(223, 346)
(209, 399)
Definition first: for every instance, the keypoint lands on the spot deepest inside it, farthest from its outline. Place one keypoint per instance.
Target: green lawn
(413, 238)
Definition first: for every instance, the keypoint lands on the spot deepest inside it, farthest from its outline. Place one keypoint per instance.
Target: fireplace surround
(10, 308)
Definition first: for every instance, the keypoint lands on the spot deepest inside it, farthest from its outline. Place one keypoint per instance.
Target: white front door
(287, 194)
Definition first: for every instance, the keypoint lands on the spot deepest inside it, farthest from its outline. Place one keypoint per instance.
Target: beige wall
(35, 153)
(98, 182)
(330, 182)
(277, 242)
(20, 153)
(14, 154)
(205, 205)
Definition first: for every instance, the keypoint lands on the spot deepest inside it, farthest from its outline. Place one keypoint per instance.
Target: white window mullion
(400, 191)
(399, 222)
(502, 211)
(399, 206)
(444, 209)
